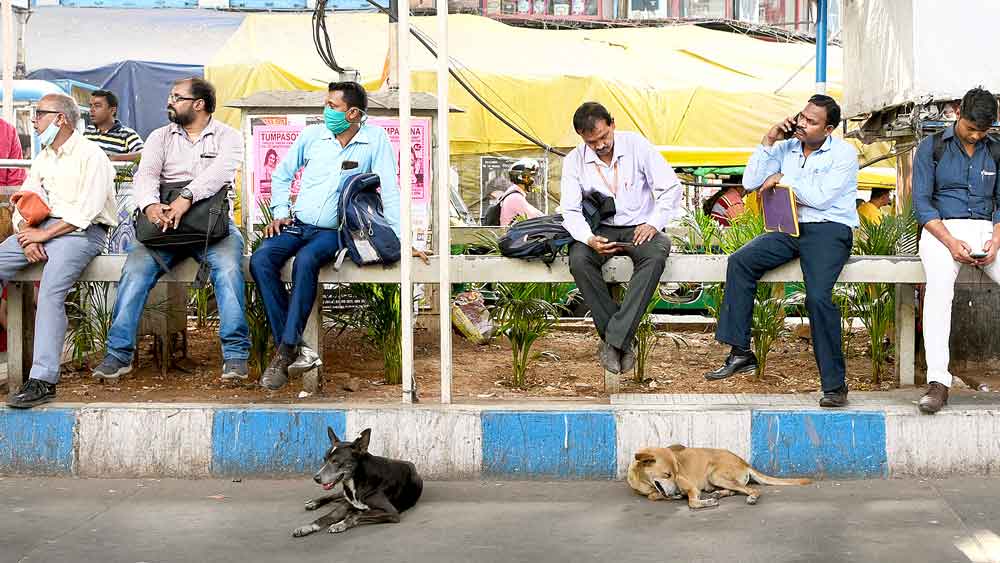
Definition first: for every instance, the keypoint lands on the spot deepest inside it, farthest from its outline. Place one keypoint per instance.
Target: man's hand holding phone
(603, 246)
(988, 254)
(784, 129)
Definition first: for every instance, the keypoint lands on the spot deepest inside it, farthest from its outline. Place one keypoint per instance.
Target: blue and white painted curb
(461, 442)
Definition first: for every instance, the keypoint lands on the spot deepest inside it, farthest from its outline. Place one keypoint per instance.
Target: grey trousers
(616, 324)
(68, 257)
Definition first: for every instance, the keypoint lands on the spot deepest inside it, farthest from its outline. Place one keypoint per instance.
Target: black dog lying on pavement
(376, 489)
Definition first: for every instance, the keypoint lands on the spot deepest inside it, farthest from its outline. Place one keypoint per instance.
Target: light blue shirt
(825, 184)
(318, 202)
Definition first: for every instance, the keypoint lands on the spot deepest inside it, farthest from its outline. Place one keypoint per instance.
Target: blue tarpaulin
(142, 88)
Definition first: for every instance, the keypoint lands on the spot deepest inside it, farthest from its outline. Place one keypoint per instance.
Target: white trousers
(941, 271)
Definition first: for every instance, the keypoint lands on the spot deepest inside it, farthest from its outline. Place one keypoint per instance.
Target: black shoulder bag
(206, 223)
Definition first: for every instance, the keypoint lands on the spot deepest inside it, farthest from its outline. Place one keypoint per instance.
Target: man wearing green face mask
(341, 147)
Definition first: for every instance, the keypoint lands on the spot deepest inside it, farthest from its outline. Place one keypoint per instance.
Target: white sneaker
(307, 360)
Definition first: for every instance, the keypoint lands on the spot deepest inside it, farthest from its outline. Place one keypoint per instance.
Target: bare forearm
(937, 228)
(58, 229)
(129, 157)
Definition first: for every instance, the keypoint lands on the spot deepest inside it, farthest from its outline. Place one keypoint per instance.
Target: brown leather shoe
(935, 398)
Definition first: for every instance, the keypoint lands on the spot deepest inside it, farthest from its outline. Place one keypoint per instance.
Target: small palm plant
(703, 233)
(88, 308)
(202, 299)
(875, 303)
(646, 338)
(374, 310)
(380, 318)
(523, 315)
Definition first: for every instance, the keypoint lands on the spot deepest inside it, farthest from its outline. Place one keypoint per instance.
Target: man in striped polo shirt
(119, 142)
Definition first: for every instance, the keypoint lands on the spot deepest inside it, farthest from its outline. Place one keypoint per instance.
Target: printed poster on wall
(271, 143)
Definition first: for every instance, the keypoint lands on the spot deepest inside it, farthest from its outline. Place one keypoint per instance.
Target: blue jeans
(69, 255)
(141, 273)
(313, 247)
(823, 249)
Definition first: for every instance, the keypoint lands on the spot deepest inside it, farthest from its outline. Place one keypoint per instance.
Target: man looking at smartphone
(626, 167)
(331, 152)
(955, 196)
(822, 172)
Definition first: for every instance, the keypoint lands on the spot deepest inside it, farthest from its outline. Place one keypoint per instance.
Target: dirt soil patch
(566, 369)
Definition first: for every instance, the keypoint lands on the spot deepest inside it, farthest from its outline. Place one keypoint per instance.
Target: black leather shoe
(741, 363)
(34, 392)
(834, 399)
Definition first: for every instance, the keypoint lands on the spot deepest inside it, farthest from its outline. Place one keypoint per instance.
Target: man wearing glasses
(196, 148)
(76, 180)
(625, 167)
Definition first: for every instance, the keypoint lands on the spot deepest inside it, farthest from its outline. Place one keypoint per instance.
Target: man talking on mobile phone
(822, 172)
(342, 146)
(955, 195)
(647, 194)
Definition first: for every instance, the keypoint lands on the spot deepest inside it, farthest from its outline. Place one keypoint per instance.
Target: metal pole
(444, 201)
(821, 19)
(392, 80)
(8, 61)
(406, 197)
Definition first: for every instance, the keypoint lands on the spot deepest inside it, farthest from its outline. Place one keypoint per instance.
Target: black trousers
(824, 249)
(616, 324)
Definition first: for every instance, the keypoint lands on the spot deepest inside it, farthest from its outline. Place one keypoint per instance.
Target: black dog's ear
(361, 444)
(333, 435)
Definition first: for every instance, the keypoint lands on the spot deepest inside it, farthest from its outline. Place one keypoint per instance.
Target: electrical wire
(321, 38)
(324, 48)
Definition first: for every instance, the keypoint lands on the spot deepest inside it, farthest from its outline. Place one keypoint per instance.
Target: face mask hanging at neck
(46, 137)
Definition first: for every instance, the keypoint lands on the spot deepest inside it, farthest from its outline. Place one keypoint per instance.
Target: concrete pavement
(80, 520)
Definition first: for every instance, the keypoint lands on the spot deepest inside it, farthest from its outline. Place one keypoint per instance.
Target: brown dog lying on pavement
(675, 472)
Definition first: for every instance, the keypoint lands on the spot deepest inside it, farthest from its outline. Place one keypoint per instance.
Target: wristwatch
(186, 194)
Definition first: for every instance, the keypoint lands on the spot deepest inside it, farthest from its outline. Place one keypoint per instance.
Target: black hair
(586, 116)
(108, 95)
(980, 107)
(831, 107)
(879, 192)
(201, 89)
(354, 94)
(269, 153)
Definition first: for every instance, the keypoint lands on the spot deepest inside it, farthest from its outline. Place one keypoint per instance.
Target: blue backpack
(365, 235)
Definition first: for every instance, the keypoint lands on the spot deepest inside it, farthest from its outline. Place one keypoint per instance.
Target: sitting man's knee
(140, 263)
(261, 264)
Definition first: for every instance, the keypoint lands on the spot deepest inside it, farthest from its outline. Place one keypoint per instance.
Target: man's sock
(288, 351)
(740, 351)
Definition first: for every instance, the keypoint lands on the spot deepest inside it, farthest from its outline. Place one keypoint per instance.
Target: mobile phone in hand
(795, 127)
(978, 255)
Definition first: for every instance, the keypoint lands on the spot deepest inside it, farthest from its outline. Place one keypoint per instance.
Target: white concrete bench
(904, 271)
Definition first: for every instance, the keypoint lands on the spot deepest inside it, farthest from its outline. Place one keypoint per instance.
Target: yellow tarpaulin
(680, 86)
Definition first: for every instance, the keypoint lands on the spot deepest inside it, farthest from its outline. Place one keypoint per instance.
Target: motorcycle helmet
(523, 173)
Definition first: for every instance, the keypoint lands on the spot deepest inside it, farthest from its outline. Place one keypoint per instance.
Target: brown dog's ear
(361, 444)
(644, 457)
(333, 435)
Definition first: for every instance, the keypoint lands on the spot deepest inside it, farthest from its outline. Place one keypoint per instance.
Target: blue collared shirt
(825, 184)
(960, 186)
(316, 148)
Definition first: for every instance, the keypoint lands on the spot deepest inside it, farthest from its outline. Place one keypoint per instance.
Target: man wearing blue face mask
(76, 180)
(342, 146)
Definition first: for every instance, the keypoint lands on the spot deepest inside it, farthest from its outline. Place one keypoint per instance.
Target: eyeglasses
(174, 98)
(40, 112)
